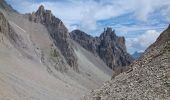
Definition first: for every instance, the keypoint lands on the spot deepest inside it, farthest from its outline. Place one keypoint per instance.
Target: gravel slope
(24, 75)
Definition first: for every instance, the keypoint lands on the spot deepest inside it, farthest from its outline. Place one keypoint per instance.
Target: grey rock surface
(108, 46)
(58, 33)
(7, 30)
(147, 79)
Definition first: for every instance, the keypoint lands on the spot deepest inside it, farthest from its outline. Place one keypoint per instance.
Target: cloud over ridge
(91, 16)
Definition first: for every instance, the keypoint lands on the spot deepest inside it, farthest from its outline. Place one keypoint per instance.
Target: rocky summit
(147, 79)
(58, 32)
(108, 46)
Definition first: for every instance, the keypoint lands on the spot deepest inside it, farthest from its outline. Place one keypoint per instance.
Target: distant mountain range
(136, 54)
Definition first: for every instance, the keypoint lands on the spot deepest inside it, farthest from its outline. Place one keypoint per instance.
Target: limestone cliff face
(147, 78)
(109, 47)
(58, 32)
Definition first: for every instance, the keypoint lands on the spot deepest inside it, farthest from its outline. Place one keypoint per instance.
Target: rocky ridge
(147, 78)
(58, 33)
(109, 47)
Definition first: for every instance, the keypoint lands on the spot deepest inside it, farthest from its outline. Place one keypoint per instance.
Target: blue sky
(140, 21)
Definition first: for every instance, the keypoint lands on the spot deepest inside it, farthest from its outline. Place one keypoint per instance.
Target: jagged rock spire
(40, 10)
(109, 47)
(108, 29)
(58, 32)
(108, 33)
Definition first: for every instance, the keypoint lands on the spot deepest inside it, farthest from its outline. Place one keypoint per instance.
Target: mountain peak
(41, 10)
(108, 47)
(108, 33)
(58, 32)
(41, 7)
(43, 16)
(108, 30)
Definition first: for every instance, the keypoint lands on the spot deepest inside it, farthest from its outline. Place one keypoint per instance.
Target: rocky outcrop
(58, 32)
(112, 49)
(86, 41)
(8, 32)
(109, 47)
(147, 79)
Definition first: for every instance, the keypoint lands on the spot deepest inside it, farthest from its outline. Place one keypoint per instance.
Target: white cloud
(84, 14)
(87, 12)
(143, 41)
(166, 13)
(147, 7)
(142, 12)
(147, 38)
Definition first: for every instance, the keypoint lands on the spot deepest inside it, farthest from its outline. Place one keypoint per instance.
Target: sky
(139, 21)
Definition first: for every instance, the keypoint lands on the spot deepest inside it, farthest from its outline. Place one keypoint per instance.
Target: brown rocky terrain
(108, 46)
(147, 79)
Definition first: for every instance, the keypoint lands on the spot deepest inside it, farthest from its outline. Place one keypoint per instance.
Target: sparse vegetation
(54, 53)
